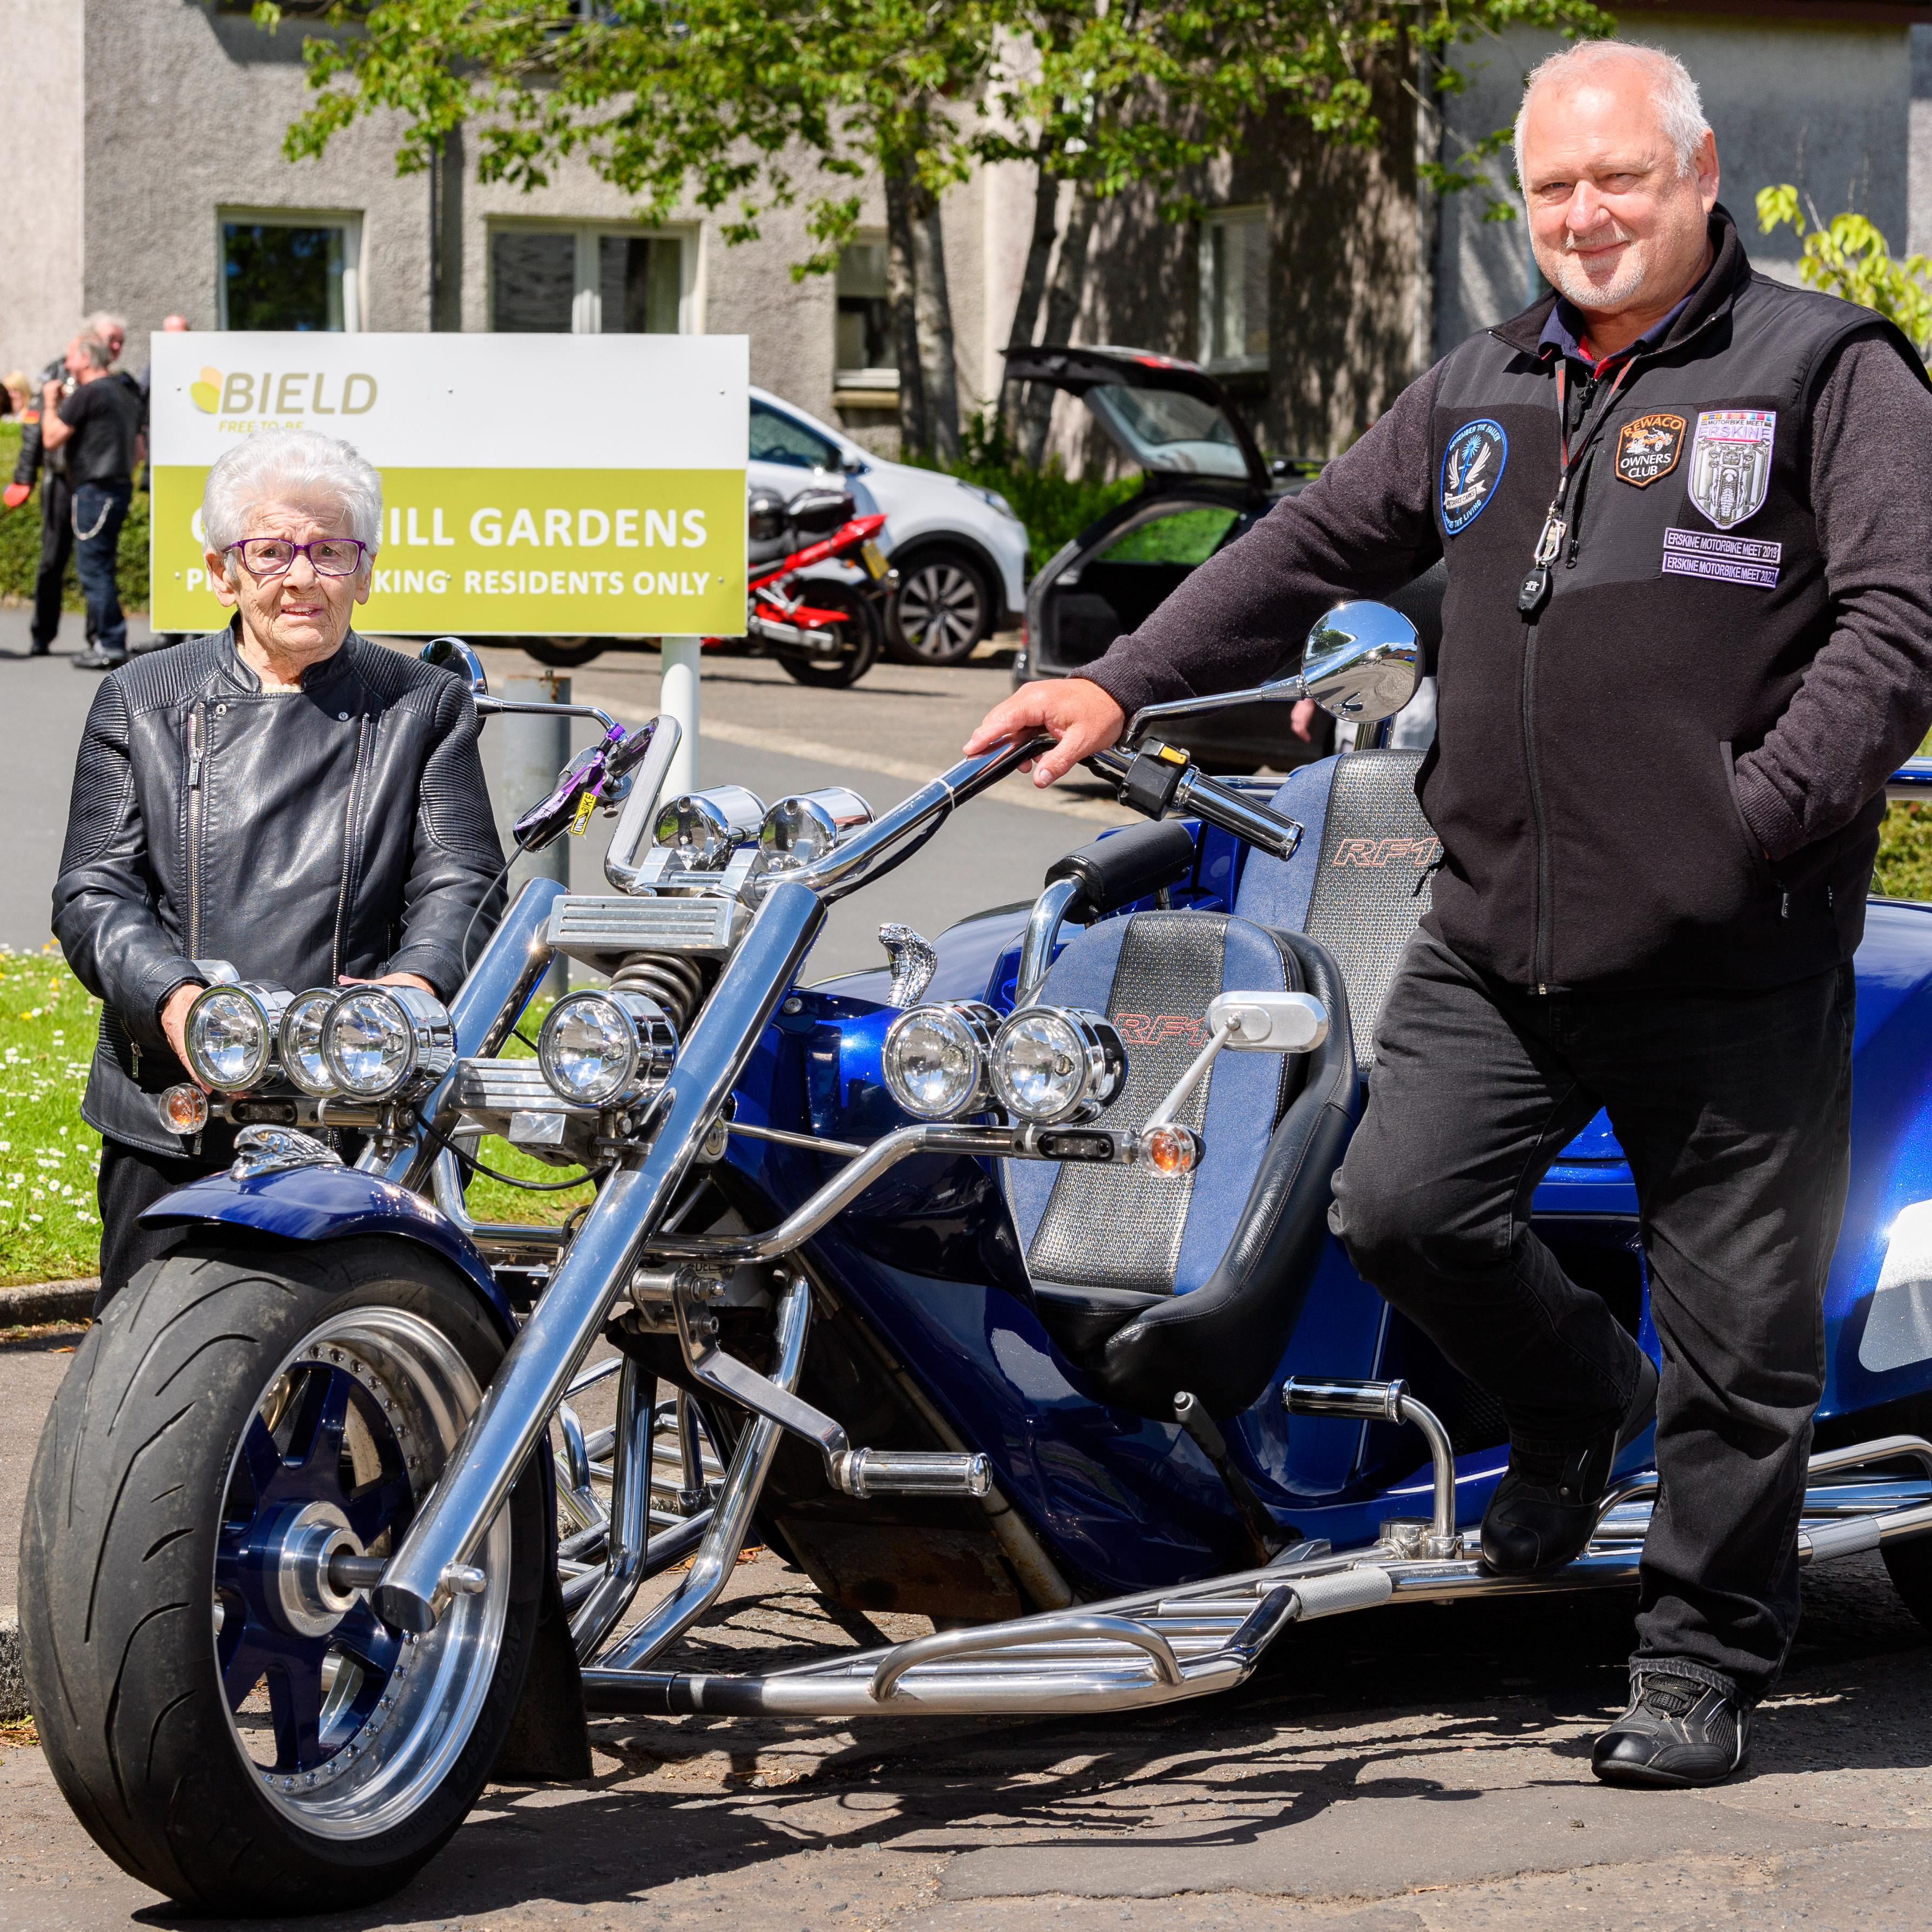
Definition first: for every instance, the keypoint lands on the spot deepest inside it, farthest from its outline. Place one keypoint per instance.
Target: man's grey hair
(103, 322)
(1680, 108)
(300, 467)
(100, 355)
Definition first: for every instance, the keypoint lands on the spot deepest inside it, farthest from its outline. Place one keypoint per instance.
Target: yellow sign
(532, 484)
(615, 553)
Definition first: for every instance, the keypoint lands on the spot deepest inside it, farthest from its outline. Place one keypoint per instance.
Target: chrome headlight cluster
(935, 1059)
(231, 1035)
(606, 1049)
(302, 1021)
(1052, 1065)
(378, 1042)
(1057, 1065)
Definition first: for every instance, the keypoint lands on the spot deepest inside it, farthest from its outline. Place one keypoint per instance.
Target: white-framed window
(588, 279)
(1235, 288)
(865, 355)
(290, 268)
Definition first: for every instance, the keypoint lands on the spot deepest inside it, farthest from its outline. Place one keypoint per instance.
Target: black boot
(1545, 1507)
(1676, 1731)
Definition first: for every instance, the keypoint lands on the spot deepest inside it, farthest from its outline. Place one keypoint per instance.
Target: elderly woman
(282, 794)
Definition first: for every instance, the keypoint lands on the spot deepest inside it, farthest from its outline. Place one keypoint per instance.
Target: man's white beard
(1623, 287)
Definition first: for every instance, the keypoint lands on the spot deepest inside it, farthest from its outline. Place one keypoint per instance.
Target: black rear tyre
(849, 649)
(1909, 1566)
(226, 1734)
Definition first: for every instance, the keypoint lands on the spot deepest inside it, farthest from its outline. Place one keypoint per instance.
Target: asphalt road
(1407, 1770)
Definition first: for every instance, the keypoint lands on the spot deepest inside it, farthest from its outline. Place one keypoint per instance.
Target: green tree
(1108, 95)
(1848, 257)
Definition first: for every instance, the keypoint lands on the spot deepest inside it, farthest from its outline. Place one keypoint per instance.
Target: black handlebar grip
(1129, 865)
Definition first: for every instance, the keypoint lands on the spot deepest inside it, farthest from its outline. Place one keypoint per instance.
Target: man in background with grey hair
(1685, 511)
(98, 423)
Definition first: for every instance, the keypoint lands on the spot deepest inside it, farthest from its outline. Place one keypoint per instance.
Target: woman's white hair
(1680, 108)
(301, 467)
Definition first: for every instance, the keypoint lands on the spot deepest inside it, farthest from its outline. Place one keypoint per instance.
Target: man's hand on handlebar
(1075, 710)
(174, 1019)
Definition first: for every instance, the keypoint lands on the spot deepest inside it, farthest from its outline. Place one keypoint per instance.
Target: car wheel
(562, 653)
(942, 610)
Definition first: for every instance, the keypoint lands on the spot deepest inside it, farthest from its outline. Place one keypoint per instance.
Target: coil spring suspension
(677, 984)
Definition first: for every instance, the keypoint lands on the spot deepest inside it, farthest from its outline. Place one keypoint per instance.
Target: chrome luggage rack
(1159, 1647)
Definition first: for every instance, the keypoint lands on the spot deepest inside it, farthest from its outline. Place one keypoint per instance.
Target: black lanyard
(1534, 592)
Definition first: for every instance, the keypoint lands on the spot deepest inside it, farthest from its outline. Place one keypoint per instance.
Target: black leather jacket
(345, 828)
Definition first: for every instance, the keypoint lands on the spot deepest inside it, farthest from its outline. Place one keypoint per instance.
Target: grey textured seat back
(1360, 883)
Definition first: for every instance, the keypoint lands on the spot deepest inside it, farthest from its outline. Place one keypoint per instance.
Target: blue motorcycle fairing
(330, 1203)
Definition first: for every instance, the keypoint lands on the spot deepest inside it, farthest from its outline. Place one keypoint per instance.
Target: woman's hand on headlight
(1075, 710)
(389, 979)
(174, 1020)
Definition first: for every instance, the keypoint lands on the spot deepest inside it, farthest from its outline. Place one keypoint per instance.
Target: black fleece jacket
(1586, 783)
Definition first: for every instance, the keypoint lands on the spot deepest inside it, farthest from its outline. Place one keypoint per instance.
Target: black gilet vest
(1581, 777)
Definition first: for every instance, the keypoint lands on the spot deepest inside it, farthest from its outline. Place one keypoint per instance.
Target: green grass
(49, 1224)
(20, 540)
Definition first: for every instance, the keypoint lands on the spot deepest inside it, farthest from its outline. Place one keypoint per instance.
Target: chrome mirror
(454, 655)
(1362, 663)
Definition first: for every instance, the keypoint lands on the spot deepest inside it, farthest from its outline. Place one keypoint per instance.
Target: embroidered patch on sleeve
(1648, 448)
(1725, 559)
(1472, 466)
(1730, 464)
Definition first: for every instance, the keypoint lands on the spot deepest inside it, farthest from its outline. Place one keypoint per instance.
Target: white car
(959, 550)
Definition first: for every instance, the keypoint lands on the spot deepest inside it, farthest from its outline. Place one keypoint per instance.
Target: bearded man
(1687, 518)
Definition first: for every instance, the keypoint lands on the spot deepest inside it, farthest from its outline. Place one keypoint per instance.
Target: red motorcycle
(824, 631)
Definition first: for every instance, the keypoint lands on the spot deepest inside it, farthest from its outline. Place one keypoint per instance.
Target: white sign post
(677, 697)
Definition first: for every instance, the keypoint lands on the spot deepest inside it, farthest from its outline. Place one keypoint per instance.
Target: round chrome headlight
(1058, 1064)
(300, 1040)
(230, 1035)
(703, 828)
(605, 1049)
(800, 830)
(935, 1059)
(377, 1041)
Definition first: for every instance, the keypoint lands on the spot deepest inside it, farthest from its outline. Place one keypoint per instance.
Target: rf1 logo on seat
(1152, 1029)
(1377, 854)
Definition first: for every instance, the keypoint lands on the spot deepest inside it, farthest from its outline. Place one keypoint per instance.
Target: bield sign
(552, 484)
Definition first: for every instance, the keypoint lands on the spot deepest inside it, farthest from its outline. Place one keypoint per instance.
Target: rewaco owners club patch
(1649, 447)
(1472, 466)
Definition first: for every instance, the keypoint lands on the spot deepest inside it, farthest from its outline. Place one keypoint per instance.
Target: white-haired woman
(282, 794)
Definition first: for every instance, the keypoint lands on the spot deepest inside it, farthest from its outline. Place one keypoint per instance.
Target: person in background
(19, 405)
(98, 423)
(35, 463)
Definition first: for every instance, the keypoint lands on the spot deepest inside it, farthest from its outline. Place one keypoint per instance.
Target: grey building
(146, 173)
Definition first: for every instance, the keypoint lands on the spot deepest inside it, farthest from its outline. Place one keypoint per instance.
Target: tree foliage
(1848, 257)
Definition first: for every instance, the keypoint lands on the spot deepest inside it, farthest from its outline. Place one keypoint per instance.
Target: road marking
(756, 738)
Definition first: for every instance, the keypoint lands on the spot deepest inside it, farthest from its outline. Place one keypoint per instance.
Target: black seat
(1154, 1286)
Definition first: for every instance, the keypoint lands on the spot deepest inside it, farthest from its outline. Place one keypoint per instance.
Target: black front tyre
(848, 649)
(232, 1727)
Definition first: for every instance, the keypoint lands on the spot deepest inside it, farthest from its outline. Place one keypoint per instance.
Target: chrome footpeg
(874, 1472)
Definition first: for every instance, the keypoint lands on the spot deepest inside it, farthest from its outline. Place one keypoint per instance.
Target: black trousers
(1734, 1109)
(56, 547)
(132, 1179)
